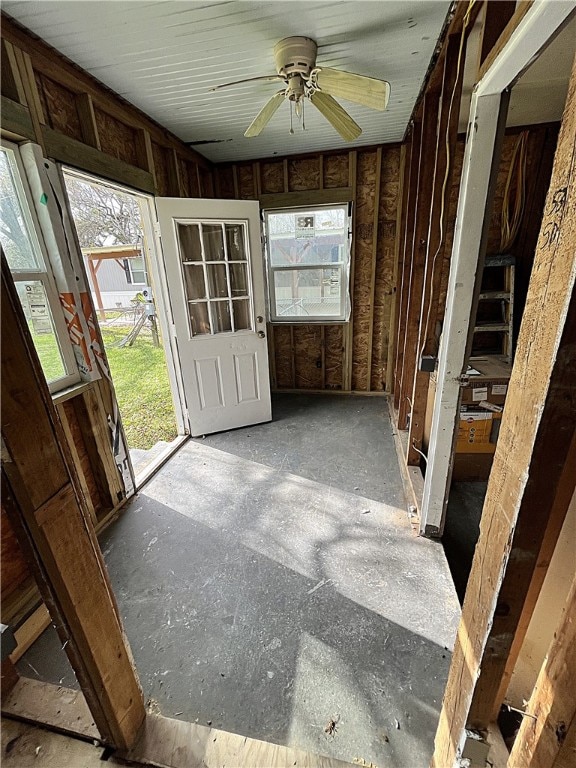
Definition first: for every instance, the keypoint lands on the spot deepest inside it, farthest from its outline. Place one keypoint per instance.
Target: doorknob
(261, 335)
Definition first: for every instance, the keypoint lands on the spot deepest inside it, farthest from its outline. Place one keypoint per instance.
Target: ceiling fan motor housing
(295, 56)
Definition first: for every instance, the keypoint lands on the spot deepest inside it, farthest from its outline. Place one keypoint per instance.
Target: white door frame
(488, 108)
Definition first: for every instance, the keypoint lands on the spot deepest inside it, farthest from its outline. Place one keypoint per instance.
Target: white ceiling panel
(165, 56)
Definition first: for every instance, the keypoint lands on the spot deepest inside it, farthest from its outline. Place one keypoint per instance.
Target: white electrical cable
(447, 172)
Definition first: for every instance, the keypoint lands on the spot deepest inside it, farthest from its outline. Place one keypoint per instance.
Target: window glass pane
(213, 242)
(14, 235)
(217, 282)
(189, 240)
(199, 319)
(39, 317)
(307, 292)
(194, 281)
(235, 242)
(221, 321)
(242, 314)
(138, 270)
(239, 279)
(315, 236)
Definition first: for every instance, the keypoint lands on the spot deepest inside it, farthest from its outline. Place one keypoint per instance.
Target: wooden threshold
(151, 469)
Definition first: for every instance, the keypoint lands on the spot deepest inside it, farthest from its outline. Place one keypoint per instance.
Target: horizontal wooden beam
(79, 155)
(16, 119)
(307, 198)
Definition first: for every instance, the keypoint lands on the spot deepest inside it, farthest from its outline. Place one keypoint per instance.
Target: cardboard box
(492, 382)
(473, 429)
(477, 431)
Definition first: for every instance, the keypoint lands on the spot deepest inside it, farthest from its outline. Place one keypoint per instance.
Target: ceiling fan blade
(336, 115)
(367, 91)
(264, 116)
(269, 78)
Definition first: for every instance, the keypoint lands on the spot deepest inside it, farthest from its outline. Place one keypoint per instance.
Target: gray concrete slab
(462, 529)
(341, 441)
(267, 602)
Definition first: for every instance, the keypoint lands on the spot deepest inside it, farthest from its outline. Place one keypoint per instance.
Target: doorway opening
(114, 227)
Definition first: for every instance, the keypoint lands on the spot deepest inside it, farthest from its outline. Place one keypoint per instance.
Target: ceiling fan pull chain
(303, 117)
(291, 128)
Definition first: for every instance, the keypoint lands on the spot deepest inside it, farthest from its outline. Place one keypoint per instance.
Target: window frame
(342, 266)
(130, 271)
(43, 273)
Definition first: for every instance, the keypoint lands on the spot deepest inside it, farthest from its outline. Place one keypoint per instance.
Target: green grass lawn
(142, 387)
(140, 379)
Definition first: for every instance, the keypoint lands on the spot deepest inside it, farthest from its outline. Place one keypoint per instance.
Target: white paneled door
(215, 280)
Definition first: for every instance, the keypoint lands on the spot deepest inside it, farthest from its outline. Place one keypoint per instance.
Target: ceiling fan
(295, 59)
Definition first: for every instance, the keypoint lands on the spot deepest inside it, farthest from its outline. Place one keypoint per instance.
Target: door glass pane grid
(215, 276)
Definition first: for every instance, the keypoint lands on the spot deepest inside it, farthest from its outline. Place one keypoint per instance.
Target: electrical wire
(465, 22)
(420, 452)
(509, 224)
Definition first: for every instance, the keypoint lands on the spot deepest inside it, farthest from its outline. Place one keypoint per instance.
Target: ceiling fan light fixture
(295, 59)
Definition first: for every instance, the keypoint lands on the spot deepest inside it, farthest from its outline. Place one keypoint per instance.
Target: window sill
(69, 392)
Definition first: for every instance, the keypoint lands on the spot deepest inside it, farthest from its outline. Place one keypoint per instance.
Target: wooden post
(405, 260)
(87, 118)
(373, 270)
(398, 240)
(349, 327)
(94, 275)
(40, 498)
(435, 229)
(496, 17)
(538, 427)
(419, 249)
(552, 704)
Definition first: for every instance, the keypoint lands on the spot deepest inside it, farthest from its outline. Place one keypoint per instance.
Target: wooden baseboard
(412, 479)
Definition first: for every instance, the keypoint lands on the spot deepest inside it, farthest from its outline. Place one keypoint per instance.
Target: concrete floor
(462, 529)
(269, 581)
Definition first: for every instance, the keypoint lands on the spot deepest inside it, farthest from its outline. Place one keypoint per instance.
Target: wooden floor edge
(164, 742)
(412, 479)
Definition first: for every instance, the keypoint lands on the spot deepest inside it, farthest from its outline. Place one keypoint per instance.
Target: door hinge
(157, 229)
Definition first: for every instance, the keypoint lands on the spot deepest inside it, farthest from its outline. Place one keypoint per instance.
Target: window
(308, 254)
(31, 272)
(214, 263)
(136, 271)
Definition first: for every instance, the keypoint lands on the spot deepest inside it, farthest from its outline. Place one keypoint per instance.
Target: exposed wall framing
(78, 121)
(424, 255)
(534, 457)
(54, 529)
(334, 357)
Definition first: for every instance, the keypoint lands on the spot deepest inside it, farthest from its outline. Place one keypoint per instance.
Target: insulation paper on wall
(59, 235)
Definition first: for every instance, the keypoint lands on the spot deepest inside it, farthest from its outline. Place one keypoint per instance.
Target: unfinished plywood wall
(354, 355)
